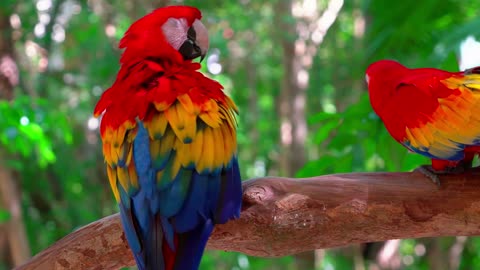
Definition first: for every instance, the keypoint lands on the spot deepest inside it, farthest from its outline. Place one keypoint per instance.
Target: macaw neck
(379, 96)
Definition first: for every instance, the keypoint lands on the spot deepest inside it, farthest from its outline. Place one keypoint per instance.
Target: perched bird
(432, 112)
(169, 141)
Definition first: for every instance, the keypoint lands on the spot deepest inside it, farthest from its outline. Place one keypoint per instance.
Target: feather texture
(169, 141)
(430, 111)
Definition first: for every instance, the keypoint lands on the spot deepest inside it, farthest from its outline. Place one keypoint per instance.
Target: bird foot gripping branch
(429, 173)
(169, 141)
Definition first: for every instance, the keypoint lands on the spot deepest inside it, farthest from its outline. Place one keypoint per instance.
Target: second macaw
(432, 112)
(169, 141)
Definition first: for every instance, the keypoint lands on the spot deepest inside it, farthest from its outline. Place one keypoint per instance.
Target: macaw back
(432, 112)
(169, 141)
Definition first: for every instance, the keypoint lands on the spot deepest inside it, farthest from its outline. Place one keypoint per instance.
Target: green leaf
(324, 131)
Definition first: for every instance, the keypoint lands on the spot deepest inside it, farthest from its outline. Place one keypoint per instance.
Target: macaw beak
(190, 50)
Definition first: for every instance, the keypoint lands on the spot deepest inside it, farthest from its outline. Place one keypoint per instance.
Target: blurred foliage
(52, 142)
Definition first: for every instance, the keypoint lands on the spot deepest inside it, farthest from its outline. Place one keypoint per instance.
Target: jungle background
(295, 69)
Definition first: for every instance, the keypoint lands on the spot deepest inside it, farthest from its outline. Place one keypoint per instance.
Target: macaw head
(172, 33)
(382, 77)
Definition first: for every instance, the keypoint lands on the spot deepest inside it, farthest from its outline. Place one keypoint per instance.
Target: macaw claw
(429, 172)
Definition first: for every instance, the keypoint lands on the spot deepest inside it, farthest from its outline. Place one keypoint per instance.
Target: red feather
(430, 111)
(145, 38)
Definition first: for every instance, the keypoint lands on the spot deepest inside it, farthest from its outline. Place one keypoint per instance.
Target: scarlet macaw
(169, 141)
(430, 111)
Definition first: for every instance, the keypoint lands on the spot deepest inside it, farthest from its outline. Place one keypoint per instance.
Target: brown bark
(14, 228)
(284, 216)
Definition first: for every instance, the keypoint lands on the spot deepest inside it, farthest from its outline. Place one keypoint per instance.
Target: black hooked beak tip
(202, 56)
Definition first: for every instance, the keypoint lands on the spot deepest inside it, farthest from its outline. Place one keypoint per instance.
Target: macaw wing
(440, 121)
(175, 174)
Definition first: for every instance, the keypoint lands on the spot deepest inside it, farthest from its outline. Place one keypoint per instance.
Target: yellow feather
(107, 154)
(132, 134)
(473, 85)
(442, 147)
(210, 105)
(229, 116)
(184, 124)
(205, 163)
(107, 137)
(123, 178)
(161, 106)
(231, 104)
(197, 147)
(157, 125)
(132, 172)
(189, 106)
(175, 168)
(184, 152)
(167, 142)
(113, 153)
(452, 82)
(113, 182)
(420, 139)
(119, 135)
(211, 118)
(218, 148)
(210, 114)
(427, 132)
(120, 151)
(228, 141)
(155, 148)
(411, 138)
(453, 117)
(129, 154)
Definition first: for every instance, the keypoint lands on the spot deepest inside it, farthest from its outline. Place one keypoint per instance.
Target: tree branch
(283, 216)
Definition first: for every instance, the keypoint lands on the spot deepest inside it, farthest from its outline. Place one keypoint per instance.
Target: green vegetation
(66, 54)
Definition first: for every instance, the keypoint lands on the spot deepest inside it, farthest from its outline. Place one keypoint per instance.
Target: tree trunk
(293, 127)
(13, 230)
(300, 39)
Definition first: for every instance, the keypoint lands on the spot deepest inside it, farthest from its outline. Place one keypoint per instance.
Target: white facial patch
(202, 35)
(175, 31)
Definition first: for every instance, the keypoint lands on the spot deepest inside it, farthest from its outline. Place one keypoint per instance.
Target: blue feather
(191, 214)
(168, 232)
(141, 151)
(230, 201)
(173, 197)
(153, 247)
(191, 245)
(130, 232)
(213, 194)
(455, 155)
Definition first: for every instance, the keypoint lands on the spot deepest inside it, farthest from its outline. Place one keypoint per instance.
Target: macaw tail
(186, 254)
(177, 243)
(190, 248)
